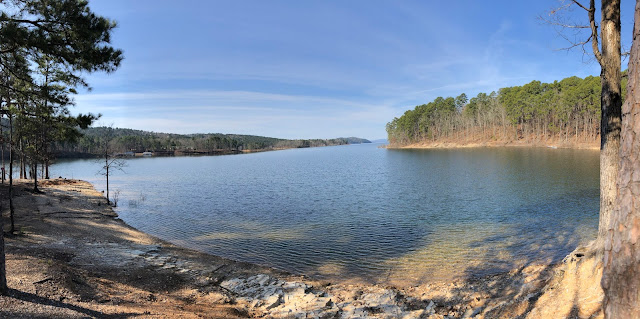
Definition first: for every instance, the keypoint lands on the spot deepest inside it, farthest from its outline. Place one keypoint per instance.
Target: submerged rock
(271, 297)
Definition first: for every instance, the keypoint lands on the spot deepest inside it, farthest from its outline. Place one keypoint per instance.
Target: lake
(363, 213)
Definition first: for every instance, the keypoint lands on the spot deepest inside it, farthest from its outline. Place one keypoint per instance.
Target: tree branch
(573, 45)
(581, 6)
(557, 22)
(594, 30)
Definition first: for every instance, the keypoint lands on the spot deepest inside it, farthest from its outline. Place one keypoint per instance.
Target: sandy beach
(72, 257)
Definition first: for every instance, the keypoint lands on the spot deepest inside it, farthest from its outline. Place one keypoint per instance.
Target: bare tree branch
(559, 20)
(573, 44)
(563, 25)
(594, 30)
(581, 6)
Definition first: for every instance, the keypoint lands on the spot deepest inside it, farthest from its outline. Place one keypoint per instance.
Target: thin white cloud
(318, 80)
(212, 96)
(243, 112)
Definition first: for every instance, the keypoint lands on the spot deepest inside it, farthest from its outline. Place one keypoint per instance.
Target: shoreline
(73, 257)
(188, 153)
(457, 145)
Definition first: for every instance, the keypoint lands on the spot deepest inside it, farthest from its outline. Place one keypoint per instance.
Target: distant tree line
(565, 111)
(122, 140)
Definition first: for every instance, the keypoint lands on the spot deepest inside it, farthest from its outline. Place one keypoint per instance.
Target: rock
(277, 298)
(351, 311)
(135, 252)
(272, 301)
(217, 297)
(295, 287)
(231, 284)
(413, 314)
(261, 280)
(431, 308)
(471, 312)
(256, 303)
(352, 294)
(385, 301)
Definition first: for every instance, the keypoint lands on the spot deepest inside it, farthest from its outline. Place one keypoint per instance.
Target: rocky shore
(73, 258)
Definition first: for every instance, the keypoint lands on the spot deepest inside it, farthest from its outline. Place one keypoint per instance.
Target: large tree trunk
(621, 273)
(611, 109)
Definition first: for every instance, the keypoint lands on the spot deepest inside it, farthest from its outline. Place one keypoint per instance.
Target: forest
(92, 142)
(566, 111)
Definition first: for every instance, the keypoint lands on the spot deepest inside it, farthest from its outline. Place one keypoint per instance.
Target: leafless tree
(110, 162)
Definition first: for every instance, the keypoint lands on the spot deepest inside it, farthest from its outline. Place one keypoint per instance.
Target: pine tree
(59, 38)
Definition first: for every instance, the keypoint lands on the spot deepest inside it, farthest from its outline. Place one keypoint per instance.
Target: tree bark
(3, 271)
(611, 103)
(621, 273)
(35, 176)
(11, 156)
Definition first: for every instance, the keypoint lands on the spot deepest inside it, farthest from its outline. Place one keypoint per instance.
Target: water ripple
(394, 216)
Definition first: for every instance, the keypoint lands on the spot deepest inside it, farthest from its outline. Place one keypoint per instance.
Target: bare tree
(621, 273)
(605, 46)
(111, 162)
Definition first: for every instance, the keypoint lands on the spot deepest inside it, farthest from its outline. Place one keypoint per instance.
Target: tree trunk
(2, 151)
(3, 271)
(621, 273)
(106, 166)
(35, 176)
(611, 103)
(23, 170)
(11, 155)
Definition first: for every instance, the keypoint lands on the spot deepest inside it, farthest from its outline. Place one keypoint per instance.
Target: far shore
(72, 257)
(182, 153)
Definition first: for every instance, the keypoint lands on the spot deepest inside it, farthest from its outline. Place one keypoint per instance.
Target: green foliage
(46, 47)
(566, 109)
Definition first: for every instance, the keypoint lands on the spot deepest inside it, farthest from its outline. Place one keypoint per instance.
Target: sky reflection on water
(361, 212)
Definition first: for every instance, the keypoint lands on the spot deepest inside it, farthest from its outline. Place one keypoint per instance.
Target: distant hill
(354, 140)
(123, 140)
(381, 141)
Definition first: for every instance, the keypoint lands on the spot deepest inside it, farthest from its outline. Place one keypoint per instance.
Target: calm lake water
(364, 213)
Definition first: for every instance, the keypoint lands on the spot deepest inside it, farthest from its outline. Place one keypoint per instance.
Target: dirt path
(73, 258)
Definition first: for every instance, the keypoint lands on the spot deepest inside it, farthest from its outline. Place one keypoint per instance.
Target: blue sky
(317, 69)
